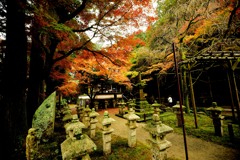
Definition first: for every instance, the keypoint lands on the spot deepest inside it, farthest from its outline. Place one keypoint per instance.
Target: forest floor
(195, 148)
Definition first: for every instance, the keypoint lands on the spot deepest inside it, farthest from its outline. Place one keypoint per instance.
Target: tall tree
(13, 107)
(196, 26)
(63, 28)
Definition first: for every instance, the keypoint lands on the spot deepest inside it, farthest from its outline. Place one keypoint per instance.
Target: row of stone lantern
(79, 145)
(74, 132)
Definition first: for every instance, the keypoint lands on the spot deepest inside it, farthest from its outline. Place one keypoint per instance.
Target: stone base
(159, 155)
(159, 149)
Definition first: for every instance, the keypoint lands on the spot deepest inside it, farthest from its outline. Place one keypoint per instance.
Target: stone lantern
(93, 121)
(158, 142)
(67, 115)
(106, 133)
(86, 118)
(217, 118)
(131, 104)
(106, 104)
(96, 103)
(77, 145)
(156, 107)
(114, 103)
(80, 112)
(176, 109)
(132, 125)
(121, 105)
(75, 124)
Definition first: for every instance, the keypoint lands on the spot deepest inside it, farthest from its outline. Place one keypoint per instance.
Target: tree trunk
(35, 77)
(13, 105)
(185, 90)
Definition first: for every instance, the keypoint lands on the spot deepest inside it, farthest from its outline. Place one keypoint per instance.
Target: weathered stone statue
(31, 144)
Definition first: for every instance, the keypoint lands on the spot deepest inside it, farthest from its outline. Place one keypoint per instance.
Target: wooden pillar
(192, 96)
(235, 91)
(158, 85)
(231, 96)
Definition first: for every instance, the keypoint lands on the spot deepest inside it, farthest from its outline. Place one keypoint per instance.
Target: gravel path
(197, 148)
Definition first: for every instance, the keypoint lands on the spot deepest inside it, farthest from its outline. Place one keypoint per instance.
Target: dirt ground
(197, 149)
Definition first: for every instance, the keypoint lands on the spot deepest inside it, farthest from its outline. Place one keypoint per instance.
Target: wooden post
(237, 97)
(180, 102)
(159, 97)
(192, 96)
(235, 91)
(231, 96)
(230, 131)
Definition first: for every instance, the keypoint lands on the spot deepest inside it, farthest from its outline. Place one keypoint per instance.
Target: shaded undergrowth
(205, 129)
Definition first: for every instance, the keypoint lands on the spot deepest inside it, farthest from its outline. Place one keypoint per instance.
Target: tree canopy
(87, 30)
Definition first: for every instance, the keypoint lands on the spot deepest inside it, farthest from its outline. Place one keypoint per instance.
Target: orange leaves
(69, 88)
(70, 31)
(211, 25)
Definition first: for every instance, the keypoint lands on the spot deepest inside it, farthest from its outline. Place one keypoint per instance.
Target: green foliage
(64, 102)
(165, 6)
(132, 74)
(205, 128)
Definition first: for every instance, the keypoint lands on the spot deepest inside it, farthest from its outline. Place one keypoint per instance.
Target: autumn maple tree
(196, 27)
(109, 63)
(65, 30)
(60, 34)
